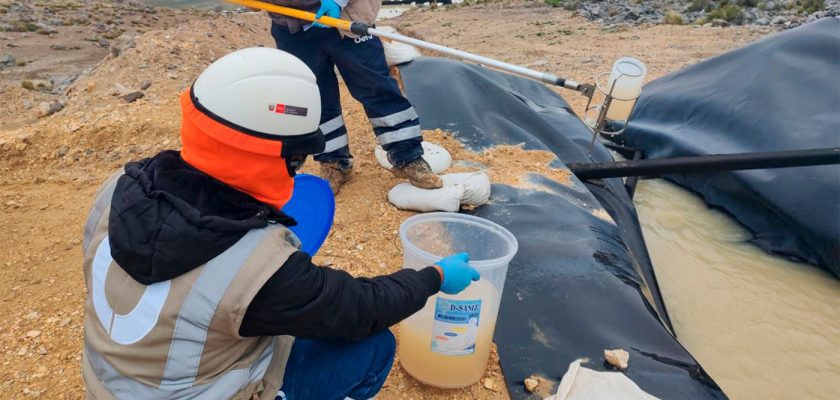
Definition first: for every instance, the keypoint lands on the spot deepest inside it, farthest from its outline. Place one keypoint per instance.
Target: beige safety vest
(180, 338)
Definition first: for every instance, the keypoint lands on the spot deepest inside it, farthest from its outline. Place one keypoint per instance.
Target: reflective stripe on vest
(131, 327)
(200, 306)
(224, 387)
(103, 201)
(190, 332)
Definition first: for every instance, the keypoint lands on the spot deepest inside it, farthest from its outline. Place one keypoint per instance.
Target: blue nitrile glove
(329, 8)
(457, 274)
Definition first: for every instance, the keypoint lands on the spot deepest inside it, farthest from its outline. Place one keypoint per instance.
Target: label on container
(456, 326)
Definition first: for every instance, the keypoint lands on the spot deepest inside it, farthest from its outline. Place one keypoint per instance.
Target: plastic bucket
(447, 343)
(313, 207)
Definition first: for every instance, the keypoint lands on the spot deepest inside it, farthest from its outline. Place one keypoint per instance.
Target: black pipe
(630, 183)
(626, 152)
(709, 163)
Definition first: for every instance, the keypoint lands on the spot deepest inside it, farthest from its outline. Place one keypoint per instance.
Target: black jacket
(168, 218)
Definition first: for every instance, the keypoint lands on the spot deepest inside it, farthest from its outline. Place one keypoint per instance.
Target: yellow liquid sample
(447, 370)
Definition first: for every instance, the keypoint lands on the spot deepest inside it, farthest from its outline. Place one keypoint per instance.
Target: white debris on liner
(580, 383)
(397, 53)
(531, 384)
(437, 157)
(617, 358)
(470, 188)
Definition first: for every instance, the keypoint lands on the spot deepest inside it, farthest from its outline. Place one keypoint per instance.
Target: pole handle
(304, 15)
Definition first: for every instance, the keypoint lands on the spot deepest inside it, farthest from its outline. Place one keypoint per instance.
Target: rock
(121, 44)
(45, 29)
(27, 104)
(62, 151)
(42, 85)
(7, 60)
(531, 384)
(171, 67)
(42, 350)
(55, 21)
(617, 358)
(48, 108)
(145, 84)
(631, 16)
(62, 82)
(31, 316)
(719, 23)
(171, 76)
(22, 351)
(104, 43)
(762, 21)
(33, 334)
(778, 20)
(132, 97)
(58, 47)
(489, 384)
(120, 90)
(538, 63)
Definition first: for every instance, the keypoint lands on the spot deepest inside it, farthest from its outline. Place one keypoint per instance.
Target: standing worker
(361, 62)
(195, 286)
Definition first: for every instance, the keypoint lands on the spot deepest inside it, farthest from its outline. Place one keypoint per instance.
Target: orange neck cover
(250, 164)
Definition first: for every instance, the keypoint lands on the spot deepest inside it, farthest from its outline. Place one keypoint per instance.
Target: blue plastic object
(313, 207)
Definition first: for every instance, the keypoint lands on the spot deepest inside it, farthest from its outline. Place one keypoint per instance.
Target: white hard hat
(266, 93)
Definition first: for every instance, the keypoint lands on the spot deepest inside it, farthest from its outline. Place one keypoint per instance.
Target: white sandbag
(437, 157)
(476, 186)
(409, 197)
(397, 53)
(469, 188)
(582, 383)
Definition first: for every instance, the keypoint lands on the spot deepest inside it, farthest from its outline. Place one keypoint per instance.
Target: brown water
(762, 326)
(438, 368)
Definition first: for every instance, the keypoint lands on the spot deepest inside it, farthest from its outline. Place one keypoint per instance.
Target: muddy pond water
(762, 326)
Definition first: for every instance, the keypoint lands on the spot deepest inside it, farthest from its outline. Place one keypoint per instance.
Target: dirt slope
(50, 169)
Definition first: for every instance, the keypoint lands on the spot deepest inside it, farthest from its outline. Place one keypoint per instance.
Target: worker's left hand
(329, 8)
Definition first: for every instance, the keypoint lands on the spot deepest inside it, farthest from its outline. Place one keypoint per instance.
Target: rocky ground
(784, 13)
(46, 46)
(52, 162)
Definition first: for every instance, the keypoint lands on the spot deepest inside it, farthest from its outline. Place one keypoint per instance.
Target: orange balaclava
(250, 164)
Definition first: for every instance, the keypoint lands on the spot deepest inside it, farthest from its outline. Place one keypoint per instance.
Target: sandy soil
(50, 168)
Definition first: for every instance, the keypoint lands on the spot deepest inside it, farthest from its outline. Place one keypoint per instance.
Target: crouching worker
(196, 288)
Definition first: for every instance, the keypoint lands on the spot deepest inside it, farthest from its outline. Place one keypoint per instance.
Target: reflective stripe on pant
(361, 62)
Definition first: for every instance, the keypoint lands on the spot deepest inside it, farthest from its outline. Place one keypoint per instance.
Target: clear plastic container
(628, 74)
(447, 343)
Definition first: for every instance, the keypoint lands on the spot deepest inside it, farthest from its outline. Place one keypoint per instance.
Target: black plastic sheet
(579, 284)
(780, 93)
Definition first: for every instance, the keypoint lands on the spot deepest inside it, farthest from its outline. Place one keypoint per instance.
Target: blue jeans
(361, 62)
(323, 370)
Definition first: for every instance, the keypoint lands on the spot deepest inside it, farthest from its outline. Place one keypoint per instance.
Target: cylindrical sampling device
(626, 80)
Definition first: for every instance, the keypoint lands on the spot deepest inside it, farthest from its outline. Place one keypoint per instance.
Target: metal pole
(516, 69)
(709, 163)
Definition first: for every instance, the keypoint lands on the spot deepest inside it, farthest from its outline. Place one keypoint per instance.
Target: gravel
(784, 13)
